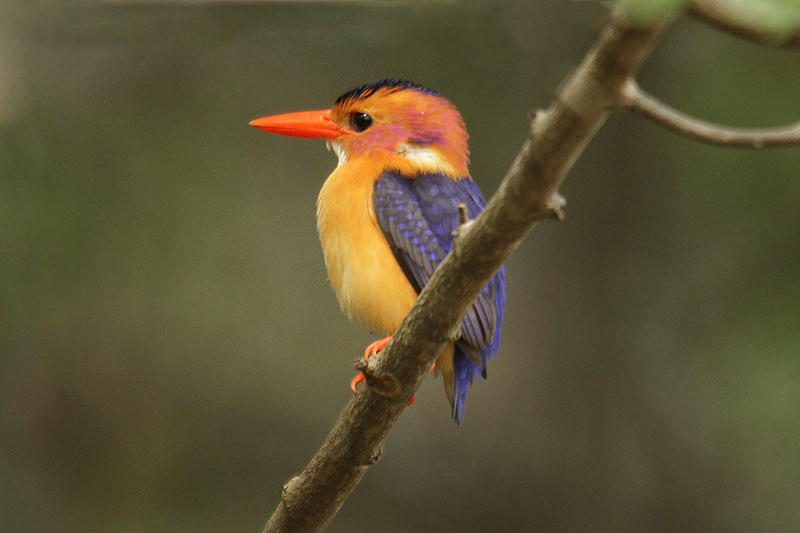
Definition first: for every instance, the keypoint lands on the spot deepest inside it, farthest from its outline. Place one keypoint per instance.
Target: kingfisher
(387, 214)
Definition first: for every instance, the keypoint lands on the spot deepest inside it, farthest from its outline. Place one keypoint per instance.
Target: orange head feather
(400, 117)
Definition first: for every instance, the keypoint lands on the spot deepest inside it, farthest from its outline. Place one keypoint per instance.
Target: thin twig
(463, 216)
(528, 193)
(638, 101)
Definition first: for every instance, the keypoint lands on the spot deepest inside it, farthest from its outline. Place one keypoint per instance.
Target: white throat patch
(337, 149)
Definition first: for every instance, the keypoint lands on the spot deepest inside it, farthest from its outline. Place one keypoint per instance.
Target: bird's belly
(363, 272)
(368, 283)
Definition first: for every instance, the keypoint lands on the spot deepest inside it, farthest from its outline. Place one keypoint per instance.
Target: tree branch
(719, 13)
(638, 101)
(528, 193)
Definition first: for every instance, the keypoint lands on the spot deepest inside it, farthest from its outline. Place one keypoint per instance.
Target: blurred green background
(170, 353)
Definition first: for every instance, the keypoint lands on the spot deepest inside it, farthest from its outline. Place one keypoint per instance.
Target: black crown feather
(392, 85)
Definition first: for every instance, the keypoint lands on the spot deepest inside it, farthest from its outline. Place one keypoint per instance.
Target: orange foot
(372, 351)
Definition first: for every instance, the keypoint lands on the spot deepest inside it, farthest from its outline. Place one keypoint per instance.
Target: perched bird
(387, 213)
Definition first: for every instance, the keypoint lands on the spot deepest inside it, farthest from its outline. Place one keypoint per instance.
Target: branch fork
(383, 382)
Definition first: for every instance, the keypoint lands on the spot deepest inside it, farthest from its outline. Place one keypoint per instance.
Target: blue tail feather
(464, 371)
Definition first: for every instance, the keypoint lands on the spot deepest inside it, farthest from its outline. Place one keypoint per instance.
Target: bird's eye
(360, 121)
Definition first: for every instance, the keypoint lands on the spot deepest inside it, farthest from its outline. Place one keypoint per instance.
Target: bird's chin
(337, 149)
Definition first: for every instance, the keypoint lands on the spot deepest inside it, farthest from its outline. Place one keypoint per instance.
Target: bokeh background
(170, 353)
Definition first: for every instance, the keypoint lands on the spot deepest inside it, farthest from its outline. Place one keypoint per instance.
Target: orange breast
(368, 282)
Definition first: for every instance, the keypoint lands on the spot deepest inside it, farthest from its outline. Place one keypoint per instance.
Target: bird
(387, 214)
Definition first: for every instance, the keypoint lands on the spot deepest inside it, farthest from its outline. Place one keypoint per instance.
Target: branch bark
(528, 193)
(640, 102)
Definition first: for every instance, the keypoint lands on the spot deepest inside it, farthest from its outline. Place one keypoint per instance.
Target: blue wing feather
(418, 217)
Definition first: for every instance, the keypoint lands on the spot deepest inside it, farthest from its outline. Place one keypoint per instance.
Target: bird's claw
(356, 380)
(375, 347)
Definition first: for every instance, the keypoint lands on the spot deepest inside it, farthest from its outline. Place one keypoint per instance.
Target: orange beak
(308, 124)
